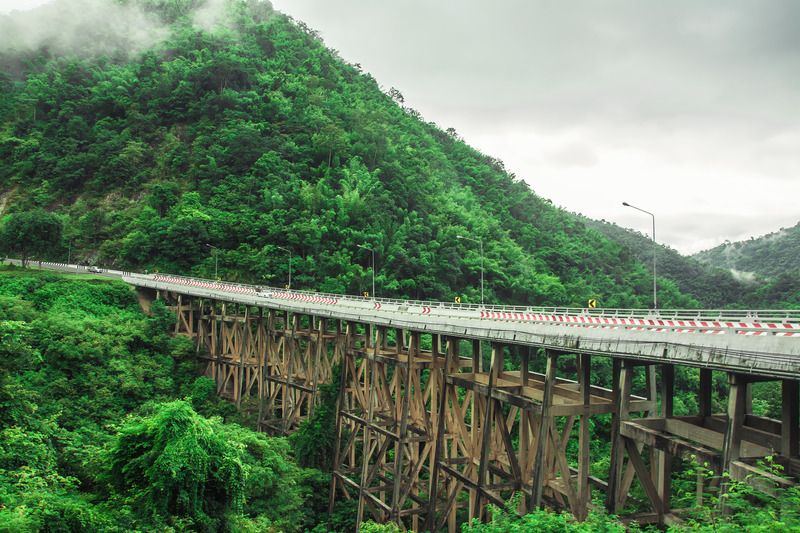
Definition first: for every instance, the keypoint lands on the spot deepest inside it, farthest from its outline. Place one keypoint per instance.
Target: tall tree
(30, 234)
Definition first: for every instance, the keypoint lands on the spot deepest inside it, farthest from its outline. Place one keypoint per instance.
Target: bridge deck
(744, 345)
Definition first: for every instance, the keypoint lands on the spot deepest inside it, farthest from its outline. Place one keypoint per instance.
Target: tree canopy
(30, 233)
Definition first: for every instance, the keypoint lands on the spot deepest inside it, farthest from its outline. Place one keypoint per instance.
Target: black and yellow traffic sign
(458, 299)
(365, 294)
(592, 303)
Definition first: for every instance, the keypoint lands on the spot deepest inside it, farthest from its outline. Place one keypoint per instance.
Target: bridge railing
(708, 315)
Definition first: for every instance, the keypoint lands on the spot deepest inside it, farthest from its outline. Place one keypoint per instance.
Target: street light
(289, 286)
(655, 246)
(216, 259)
(480, 243)
(373, 266)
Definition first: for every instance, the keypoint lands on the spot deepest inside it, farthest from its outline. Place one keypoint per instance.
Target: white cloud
(7, 6)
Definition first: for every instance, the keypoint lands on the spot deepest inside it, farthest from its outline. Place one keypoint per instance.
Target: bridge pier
(731, 442)
(388, 413)
(278, 359)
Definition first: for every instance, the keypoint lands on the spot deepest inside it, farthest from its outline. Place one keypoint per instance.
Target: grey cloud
(690, 106)
(573, 154)
(693, 106)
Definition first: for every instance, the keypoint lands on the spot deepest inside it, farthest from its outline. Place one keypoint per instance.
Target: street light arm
(626, 204)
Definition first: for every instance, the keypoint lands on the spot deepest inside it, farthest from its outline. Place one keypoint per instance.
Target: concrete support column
(704, 394)
(732, 445)
(790, 413)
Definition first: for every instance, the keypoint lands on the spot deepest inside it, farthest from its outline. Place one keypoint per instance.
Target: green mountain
(714, 286)
(232, 142)
(717, 283)
(768, 256)
(233, 139)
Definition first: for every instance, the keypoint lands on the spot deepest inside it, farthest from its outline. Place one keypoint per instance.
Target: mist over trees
(770, 256)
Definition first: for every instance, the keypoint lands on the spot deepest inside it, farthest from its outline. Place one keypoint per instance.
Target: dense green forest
(106, 426)
(231, 143)
(774, 257)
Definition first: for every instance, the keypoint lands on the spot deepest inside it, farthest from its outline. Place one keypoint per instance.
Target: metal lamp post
(290, 263)
(373, 266)
(655, 247)
(480, 244)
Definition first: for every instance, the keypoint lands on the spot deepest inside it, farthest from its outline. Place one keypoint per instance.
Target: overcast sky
(10, 5)
(688, 109)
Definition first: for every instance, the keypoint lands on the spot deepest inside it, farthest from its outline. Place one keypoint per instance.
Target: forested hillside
(711, 277)
(771, 256)
(103, 423)
(715, 287)
(229, 143)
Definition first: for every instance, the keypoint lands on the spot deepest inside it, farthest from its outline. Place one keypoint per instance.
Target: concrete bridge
(444, 408)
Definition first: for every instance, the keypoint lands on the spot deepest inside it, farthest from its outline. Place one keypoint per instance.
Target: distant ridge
(770, 255)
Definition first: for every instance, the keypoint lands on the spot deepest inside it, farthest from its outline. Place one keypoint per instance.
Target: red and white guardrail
(697, 326)
(709, 327)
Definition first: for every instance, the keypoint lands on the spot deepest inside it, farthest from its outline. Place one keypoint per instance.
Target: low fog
(91, 27)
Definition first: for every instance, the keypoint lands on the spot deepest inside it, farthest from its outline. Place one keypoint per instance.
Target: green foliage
(175, 462)
(77, 359)
(508, 520)
(30, 233)
(743, 507)
(373, 527)
(314, 441)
